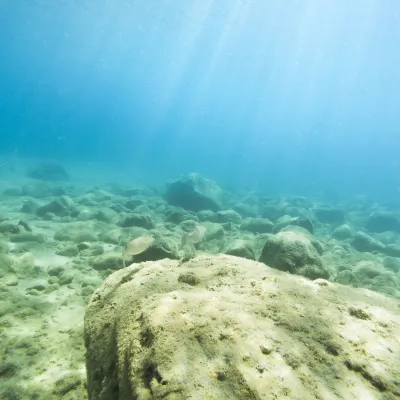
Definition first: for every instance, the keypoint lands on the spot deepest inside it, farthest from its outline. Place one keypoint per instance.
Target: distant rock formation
(195, 193)
(49, 171)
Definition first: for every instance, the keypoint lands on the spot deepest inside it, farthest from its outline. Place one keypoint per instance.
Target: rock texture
(221, 327)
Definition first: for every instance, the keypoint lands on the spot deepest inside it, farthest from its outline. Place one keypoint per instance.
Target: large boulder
(195, 193)
(295, 251)
(49, 171)
(366, 243)
(61, 206)
(228, 328)
(329, 215)
(381, 221)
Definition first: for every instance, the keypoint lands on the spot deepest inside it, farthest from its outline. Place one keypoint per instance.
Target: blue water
(275, 96)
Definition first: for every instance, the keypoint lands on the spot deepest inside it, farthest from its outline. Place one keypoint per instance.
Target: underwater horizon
(298, 97)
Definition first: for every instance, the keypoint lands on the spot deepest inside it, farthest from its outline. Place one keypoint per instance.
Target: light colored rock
(227, 328)
(10, 280)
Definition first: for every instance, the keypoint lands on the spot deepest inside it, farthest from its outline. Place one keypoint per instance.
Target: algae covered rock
(62, 206)
(165, 245)
(111, 260)
(228, 328)
(138, 220)
(294, 251)
(241, 248)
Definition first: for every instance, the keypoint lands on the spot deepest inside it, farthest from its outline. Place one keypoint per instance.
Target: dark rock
(111, 260)
(382, 221)
(24, 225)
(294, 252)
(392, 263)
(66, 384)
(305, 223)
(189, 278)
(62, 206)
(165, 246)
(271, 211)
(7, 369)
(30, 206)
(392, 250)
(328, 215)
(195, 193)
(365, 243)
(50, 171)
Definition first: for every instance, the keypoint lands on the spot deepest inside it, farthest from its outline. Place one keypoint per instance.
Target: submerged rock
(382, 221)
(328, 215)
(366, 243)
(342, 232)
(49, 171)
(138, 220)
(241, 248)
(287, 220)
(257, 225)
(228, 328)
(78, 232)
(37, 190)
(294, 251)
(195, 193)
(62, 206)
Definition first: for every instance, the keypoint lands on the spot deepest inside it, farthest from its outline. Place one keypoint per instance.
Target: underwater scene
(199, 199)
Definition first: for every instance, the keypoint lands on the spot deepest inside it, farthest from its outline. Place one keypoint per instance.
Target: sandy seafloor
(51, 263)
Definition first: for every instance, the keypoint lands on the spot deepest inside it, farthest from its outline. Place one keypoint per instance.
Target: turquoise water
(293, 97)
